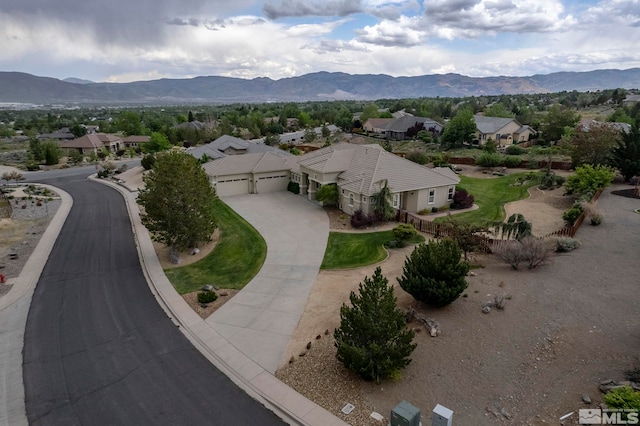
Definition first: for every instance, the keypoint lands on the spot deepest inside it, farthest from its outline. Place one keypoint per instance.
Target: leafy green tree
(588, 179)
(556, 121)
(592, 145)
(178, 201)
(460, 129)
(157, 142)
(382, 202)
(435, 273)
(75, 156)
(78, 130)
(370, 111)
(148, 161)
(35, 149)
(328, 194)
(129, 122)
(190, 118)
(272, 139)
(51, 152)
(626, 155)
(498, 110)
(373, 340)
(344, 119)
(468, 236)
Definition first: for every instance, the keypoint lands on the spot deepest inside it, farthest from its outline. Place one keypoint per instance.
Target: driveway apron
(260, 319)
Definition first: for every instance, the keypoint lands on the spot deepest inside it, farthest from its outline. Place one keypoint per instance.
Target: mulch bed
(628, 193)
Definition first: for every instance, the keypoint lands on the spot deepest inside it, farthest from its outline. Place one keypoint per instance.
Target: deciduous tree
(626, 155)
(460, 129)
(178, 201)
(592, 144)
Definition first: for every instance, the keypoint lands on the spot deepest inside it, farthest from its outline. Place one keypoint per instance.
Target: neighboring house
(63, 134)
(248, 174)
(227, 145)
(377, 125)
(397, 128)
(504, 131)
(295, 138)
(622, 127)
(94, 142)
(135, 141)
(359, 170)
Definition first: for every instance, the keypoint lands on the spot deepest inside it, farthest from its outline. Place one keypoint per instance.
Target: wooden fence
(441, 230)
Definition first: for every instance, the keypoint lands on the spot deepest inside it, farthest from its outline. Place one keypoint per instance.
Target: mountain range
(16, 87)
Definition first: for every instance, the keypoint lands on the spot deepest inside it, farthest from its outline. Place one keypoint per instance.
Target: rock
(586, 398)
(326, 332)
(505, 414)
(606, 382)
(207, 287)
(472, 274)
(292, 359)
(223, 294)
(635, 386)
(303, 353)
(318, 337)
(486, 309)
(195, 251)
(433, 332)
(377, 417)
(309, 345)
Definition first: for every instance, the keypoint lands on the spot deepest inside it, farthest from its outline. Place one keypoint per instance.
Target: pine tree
(435, 273)
(372, 339)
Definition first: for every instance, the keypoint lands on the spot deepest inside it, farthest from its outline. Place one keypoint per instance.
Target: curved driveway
(98, 348)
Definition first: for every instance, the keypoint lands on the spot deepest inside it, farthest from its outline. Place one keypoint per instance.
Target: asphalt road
(98, 348)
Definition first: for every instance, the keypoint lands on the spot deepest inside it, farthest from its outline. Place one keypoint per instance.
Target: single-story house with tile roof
(504, 131)
(359, 170)
(135, 141)
(255, 173)
(376, 125)
(94, 142)
(229, 145)
(63, 134)
(398, 127)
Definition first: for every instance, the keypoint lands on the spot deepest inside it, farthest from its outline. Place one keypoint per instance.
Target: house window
(432, 196)
(351, 200)
(450, 196)
(395, 201)
(364, 199)
(343, 192)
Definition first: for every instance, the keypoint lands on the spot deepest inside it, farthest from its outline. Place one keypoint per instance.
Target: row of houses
(504, 131)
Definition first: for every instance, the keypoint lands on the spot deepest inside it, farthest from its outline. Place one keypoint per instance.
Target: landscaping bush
(509, 252)
(462, 199)
(434, 210)
(567, 244)
(514, 150)
(359, 219)
(404, 232)
(148, 161)
(511, 161)
(595, 220)
(623, 398)
(435, 273)
(548, 180)
(571, 215)
(293, 187)
(489, 159)
(588, 179)
(207, 296)
(32, 166)
(530, 250)
(560, 180)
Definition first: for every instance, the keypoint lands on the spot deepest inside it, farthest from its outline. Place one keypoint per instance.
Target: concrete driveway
(260, 319)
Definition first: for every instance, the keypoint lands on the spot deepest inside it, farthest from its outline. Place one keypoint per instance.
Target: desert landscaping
(559, 335)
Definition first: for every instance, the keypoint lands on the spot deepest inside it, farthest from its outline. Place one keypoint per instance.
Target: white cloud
(390, 33)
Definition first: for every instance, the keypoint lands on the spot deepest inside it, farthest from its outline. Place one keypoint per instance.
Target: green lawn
(352, 250)
(491, 194)
(234, 261)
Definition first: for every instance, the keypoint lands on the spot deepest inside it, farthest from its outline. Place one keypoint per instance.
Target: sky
(131, 40)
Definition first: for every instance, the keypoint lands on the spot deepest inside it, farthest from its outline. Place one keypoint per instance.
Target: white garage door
(232, 187)
(272, 184)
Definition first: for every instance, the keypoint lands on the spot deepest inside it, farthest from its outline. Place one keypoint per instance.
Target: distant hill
(77, 80)
(27, 88)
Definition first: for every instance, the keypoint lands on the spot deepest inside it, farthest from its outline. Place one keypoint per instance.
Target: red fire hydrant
(2, 280)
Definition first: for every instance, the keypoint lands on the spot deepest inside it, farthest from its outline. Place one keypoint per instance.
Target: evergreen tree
(382, 202)
(372, 339)
(626, 156)
(435, 273)
(178, 201)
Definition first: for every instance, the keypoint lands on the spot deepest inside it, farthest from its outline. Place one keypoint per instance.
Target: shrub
(589, 179)
(571, 215)
(462, 199)
(293, 187)
(417, 157)
(511, 161)
(548, 180)
(623, 398)
(596, 219)
(434, 210)
(207, 296)
(32, 166)
(560, 180)
(489, 159)
(514, 150)
(435, 273)
(530, 250)
(148, 161)
(359, 219)
(372, 339)
(120, 152)
(567, 244)
(102, 174)
(404, 232)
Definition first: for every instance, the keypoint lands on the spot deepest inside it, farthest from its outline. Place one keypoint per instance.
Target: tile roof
(214, 149)
(489, 125)
(246, 163)
(91, 140)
